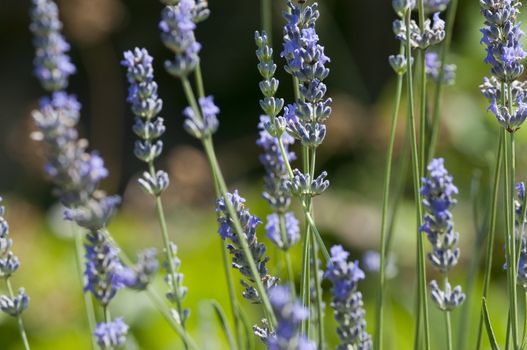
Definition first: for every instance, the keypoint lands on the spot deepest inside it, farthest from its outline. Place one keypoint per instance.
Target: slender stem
(492, 231)
(513, 239)
(21, 328)
(266, 15)
(524, 321)
(286, 254)
(318, 291)
(161, 306)
(450, 19)
(174, 284)
(448, 326)
(416, 178)
(226, 265)
(304, 290)
(198, 78)
(88, 302)
(211, 155)
(384, 217)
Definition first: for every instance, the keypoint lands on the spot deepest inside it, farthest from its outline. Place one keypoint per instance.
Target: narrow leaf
(488, 326)
(224, 323)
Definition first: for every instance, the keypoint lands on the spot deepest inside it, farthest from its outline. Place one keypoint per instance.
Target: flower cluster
(249, 223)
(433, 32)
(502, 35)
(111, 335)
(306, 61)
(203, 123)
(432, 6)
(282, 226)
(399, 62)
(347, 300)
(52, 65)
(290, 314)
(433, 70)
(438, 192)
(146, 105)
(177, 25)
(178, 292)
(9, 264)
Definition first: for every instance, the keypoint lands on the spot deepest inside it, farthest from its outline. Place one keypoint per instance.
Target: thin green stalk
(235, 307)
(306, 277)
(161, 306)
(416, 178)
(513, 240)
(510, 241)
(450, 19)
(266, 15)
(492, 231)
(20, 323)
(384, 217)
(88, 302)
(448, 324)
(198, 78)
(287, 255)
(423, 89)
(318, 292)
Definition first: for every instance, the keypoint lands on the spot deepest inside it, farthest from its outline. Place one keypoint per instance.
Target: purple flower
(306, 61)
(290, 314)
(227, 231)
(438, 193)
(111, 335)
(103, 267)
(52, 65)
(291, 230)
(347, 300)
(433, 68)
(206, 123)
(502, 35)
(432, 6)
(177, 33)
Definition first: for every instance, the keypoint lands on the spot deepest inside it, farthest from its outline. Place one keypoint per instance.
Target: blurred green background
(358, 38)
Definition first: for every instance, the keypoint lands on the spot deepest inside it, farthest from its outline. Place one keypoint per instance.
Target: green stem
(161, 306)
(287, 255)
(492, 231)
(448, 326)
(20, 323)
(198, 77)
(88, 302)
(266, 15)
(384, 217)
(174, 285)
(450, 19)
(416, 179)
(318, 291)
(304, 290)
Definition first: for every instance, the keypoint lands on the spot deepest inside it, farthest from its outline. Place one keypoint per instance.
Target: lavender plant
(504, 54)
(438, 192)
(11, 304)
(177, 32)
(146, 105)
(282, 227)
(347, 300)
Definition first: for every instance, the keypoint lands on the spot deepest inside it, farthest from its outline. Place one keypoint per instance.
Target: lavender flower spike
(52, 65)
(438, 193)
(177, 33)
(111, 335)
(502, 35)
(239, 261)
(9, 264)
(146, 105)
(205, 122)
(433, 68)
(290, 314)
(347, 300)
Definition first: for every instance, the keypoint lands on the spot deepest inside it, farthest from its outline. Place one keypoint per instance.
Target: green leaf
(224, 323)
(488, 326)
